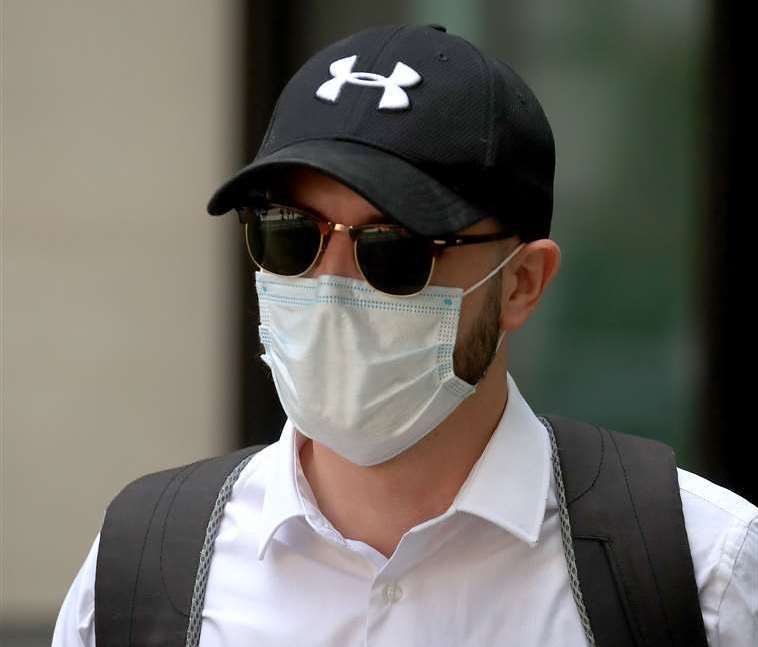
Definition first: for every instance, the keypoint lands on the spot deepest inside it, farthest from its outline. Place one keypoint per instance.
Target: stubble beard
(475, 352)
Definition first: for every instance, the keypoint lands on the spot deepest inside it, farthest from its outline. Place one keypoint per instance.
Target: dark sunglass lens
(281, 240)
(394, 260)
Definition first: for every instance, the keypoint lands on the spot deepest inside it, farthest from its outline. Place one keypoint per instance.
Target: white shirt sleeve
(738, 608)
(75, 626)
(722, 529)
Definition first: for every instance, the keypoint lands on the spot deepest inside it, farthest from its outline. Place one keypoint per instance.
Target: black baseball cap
(421, 123)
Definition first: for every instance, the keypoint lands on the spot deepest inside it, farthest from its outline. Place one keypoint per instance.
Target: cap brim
(393, 185)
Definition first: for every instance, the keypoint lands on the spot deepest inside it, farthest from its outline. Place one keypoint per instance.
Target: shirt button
(393, 593)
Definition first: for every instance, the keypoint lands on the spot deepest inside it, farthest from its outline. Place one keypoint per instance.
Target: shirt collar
(508, 485)
(282, 500)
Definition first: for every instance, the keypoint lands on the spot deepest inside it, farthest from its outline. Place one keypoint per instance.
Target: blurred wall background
(119, 300)
(129, 318)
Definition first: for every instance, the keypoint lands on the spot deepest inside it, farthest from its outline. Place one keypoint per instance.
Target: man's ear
(525, 279)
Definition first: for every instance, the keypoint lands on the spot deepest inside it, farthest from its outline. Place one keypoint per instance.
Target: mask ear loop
(493, 272)
(501, 336)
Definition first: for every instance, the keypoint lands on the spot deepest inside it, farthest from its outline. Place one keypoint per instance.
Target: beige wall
(118, 292)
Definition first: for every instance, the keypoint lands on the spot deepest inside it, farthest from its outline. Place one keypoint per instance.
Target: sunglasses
(289, 241)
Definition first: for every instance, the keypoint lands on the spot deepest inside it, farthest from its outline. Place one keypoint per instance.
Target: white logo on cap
(393, 97)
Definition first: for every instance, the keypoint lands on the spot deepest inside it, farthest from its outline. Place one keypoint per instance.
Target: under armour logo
(393, 97)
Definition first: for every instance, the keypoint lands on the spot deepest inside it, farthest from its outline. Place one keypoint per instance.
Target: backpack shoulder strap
(630, 543)
(150, 551)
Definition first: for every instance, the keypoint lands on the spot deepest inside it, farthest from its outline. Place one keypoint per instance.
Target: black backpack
(627, 529)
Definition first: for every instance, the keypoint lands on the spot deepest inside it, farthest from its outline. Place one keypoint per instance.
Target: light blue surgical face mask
(364, 373)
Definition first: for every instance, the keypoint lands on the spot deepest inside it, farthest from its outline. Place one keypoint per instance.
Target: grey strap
(568, 544)
(201, 579)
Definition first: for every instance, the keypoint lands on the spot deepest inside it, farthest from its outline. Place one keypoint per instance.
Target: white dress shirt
(489, 571)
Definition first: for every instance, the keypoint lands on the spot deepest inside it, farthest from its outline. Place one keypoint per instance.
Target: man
(398, 213)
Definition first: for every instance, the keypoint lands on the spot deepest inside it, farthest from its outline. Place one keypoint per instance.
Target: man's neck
(378, 504)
